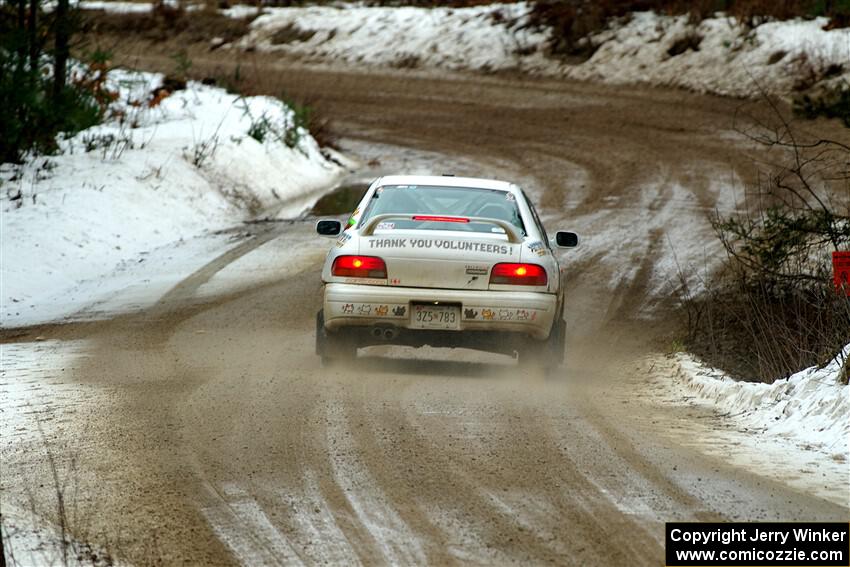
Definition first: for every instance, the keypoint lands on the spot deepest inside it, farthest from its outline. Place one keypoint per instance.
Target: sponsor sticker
(537, 247)
(373, 310)
(343, 238)
(500, 314)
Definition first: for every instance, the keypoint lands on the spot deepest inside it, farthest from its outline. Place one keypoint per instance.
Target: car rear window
(443, 201)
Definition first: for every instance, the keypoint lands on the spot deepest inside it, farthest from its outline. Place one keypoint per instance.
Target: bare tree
(61, 50)
(33, 35)
(773, 309)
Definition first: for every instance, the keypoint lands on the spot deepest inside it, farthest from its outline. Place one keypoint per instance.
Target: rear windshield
(443, 201)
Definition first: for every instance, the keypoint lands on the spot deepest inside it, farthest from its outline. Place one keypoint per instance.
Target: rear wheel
(332, 347)
(548, 354)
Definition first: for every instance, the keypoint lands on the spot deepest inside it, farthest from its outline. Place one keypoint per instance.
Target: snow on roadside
(117, 7)
(717, 55)
(147, 181)
(487, 37)
(38, 402)
(810, 409)
(32, 541)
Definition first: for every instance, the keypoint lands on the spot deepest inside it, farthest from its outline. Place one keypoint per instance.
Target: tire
(557, 339)
(332, 348)
(548, 354)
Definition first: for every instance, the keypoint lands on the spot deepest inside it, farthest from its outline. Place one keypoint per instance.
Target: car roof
(447, 181)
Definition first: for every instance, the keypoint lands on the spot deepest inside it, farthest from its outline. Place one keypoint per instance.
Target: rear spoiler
(368, 227)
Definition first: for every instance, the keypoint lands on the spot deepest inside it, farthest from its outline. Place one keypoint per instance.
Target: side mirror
(329, 227)
(566, 239)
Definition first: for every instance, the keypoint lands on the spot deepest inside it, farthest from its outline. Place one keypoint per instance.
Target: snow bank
(157, 173)
(810, 408)
(481, 38)
(724, 58)
(716, 56)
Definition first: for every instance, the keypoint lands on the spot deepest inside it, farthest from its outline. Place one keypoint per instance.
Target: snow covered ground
(402, 37)
(796, 430)
(810, 408)
(717, 55)
(38, 400)
(148, 187)
(723, 58)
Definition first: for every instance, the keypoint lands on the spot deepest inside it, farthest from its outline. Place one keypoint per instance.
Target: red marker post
(841, 272)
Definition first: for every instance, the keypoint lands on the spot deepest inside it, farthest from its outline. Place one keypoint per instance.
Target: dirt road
(205, 431)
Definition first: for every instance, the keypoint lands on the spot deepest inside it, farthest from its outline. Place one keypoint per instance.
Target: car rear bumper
(521, 312)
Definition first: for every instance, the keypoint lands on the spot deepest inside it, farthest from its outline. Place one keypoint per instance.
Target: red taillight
(518, 274)
(359, 267)
(439, 219)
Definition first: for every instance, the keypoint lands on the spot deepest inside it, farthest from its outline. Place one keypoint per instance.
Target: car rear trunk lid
(439, 259)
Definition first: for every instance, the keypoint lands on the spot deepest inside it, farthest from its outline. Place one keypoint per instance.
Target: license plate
(425, 316)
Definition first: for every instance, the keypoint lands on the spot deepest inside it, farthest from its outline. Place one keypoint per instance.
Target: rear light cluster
(501, 274)
(433, 218)
(359, 267)
(518, 274)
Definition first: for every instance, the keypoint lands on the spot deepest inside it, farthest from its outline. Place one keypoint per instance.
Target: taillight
(359, 267)
(433, 218)
(518, 274)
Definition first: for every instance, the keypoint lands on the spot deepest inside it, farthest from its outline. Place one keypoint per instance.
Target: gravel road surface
(204, 431)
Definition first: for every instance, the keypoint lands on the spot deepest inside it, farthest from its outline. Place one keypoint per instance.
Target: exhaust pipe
(384, 333)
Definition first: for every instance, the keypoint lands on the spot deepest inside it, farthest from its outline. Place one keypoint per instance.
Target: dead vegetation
(774, 310)
(168, 23)
(55, 531)
(247, 78)
(291, 34)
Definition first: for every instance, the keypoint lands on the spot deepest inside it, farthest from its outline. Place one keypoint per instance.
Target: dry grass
(762, 334)
(249, 79)
(166, 23)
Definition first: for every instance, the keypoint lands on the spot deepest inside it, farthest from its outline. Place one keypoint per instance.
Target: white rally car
(443, 261)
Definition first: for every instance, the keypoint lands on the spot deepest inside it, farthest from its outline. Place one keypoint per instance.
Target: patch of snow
(37, 402)
(810, 408)
(240, 11)
(32, 388)
(29, 540)
(159, 173)
(118, 7)
(661, 230)
(244, 527)
(397, 542)
(794, 431)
